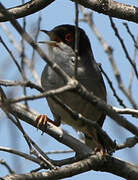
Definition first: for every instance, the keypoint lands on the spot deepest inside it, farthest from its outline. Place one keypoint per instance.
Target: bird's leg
(42, 120)
(92, 140)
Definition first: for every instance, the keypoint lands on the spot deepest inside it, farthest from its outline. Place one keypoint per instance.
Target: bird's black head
(66, 34)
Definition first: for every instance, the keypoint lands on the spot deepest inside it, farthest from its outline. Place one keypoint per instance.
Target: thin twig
(60, 152)
(41, 95)
(113, 89)
(131, 35)
(129, 143)
(4, 163)
(28, 38)
(131, 76)
(123, 46)
(35, 38)
(21, 154)
(109, 51)
(29, 141)
(132, 112)
(17, 46)
(42, 156)
(13, 58)
(23, 56)
(21, 83)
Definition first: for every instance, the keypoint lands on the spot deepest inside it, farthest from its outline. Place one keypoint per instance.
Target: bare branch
(29, 116)
(59, 152)
(42, 95)
(35, 38)
(130, 142)
(38, 152)
(26, 36)
(131, 76)
(113, 89)
(26, 9)
(13, 58)
(131, 35)
(17, 47)
(106, 164)
(21, 154)
(123, 46)
(2, 162)
(22, 55)
(133, 112)
(109, 51)
(20, 83)
(108, 110)
(111, 8)
(108, 7)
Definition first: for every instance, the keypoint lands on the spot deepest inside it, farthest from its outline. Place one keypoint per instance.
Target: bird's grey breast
(87, 74)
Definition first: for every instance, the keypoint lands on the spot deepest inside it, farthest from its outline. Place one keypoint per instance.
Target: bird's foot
(100, 151)
(42, 120)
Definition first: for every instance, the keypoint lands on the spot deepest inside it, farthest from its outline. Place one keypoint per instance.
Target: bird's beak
(46, 32)
(50, 43)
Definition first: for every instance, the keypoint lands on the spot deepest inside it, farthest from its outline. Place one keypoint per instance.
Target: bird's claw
(41, 120)
(101, 151)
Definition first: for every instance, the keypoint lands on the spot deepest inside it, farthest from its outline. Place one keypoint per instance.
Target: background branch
(108, 164)
(112, 8)
(26, 9)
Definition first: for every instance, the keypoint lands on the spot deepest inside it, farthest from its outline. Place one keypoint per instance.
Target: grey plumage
(88, 74)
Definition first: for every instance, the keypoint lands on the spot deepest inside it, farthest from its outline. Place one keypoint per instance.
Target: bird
(61, 49)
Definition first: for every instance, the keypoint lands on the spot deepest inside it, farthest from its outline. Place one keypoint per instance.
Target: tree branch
(109, 51)
(132, 112)
(123, 46)
(111, 8)
(26, 9)
(4, 163)
(106, 164)
(29, 116)
(130, 142)
(21, 154)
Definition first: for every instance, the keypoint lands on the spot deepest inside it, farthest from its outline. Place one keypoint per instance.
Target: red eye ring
(69, 37)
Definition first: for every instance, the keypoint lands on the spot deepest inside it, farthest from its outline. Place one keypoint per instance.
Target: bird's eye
(69, 37)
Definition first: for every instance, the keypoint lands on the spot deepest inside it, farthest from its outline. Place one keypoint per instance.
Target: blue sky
(62, 12)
